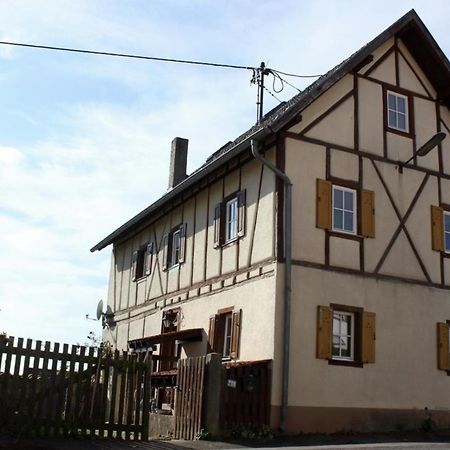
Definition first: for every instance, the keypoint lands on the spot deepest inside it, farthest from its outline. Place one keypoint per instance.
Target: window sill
(407, 134)
(230, 242)
(344, 362)
(346, 235)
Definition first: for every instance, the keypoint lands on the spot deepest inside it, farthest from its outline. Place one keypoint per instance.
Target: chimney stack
(178, 161)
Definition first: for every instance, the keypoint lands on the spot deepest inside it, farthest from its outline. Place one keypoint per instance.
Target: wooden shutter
(323, 204)
(324, 331)
(165, 251)
(368, 337)
(235, 333)
(134, 260)
(437, 228)
(217, 225)
(442, 346)
(367, 214)
(149, 259)
(182, 252)
(212, 328)
(241, 212)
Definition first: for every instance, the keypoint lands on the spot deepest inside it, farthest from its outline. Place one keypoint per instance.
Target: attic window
(398, 112)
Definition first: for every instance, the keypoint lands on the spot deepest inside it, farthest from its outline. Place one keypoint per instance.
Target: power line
(150, 58)
(126, 55)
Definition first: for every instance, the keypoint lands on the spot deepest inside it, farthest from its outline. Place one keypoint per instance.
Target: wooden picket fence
(83, 391)
(189, 397)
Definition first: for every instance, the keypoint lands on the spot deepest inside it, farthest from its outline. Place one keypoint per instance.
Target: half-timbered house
(203, 268)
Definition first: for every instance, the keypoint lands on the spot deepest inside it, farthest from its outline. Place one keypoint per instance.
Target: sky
(85, 140)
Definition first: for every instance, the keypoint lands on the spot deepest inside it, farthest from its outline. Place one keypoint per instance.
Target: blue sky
(84, 140)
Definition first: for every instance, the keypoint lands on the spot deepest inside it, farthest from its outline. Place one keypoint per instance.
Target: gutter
(287, 277)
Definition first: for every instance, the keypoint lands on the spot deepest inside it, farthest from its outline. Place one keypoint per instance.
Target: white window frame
(175, 251)
(351, 335)
(355, 212)
(397, 112)
(446, 232)
(228, 329)
(231, 223)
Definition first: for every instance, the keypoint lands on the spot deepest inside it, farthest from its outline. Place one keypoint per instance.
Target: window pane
(338, 198)
(401, 121)
(348, 201)
(392, 119)
(338, 219)
(346, 346)
(447, 241)
(348, 221)
(391, 102)
(401, 104)
(447, 222)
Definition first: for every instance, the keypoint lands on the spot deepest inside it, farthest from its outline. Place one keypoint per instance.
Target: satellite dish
(99, 309)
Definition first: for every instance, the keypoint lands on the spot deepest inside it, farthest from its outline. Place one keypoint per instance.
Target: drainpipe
(287, 277)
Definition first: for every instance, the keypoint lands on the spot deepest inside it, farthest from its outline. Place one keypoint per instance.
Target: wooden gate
(85, 391)
(246, 394)
(189, 397)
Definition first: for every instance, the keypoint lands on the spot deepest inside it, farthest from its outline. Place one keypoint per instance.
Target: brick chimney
(178, 161)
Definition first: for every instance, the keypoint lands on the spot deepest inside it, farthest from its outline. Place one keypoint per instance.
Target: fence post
(213, 390)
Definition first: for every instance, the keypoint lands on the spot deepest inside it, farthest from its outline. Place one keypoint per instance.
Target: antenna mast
(259, 79)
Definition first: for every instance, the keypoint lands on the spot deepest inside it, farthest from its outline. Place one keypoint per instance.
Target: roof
(409, 28)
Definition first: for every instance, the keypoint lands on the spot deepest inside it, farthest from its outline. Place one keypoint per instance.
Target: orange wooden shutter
(235, 333)
(324, 331)
(323, 204)
(217, 225)
(368, 337)
(437, 228)
(149, 259)
(165, 251)
(134, 264)
(212, 327)
(443, 347)
(182, 253)
(241, 213)
(367, 213)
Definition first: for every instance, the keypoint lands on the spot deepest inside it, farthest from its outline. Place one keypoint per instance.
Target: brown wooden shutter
(367, 214)
(165, 251)
(442, 346)
(182, 253)
(368, 337)
(235, 333)
(437, 228)
(324, 331)
(217, 225)
(149, 259)
(241, 212)
(323, 204)
(211, 333)
(134, 260)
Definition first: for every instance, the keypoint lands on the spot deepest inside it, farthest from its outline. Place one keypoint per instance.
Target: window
(344, 209)
(229, 219)
(224, 332)
(447, 232)
(174, 247)
(397, 111)
(345, 335)
(142, 261)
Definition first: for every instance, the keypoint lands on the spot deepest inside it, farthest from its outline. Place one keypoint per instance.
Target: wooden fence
(189, 397)
(246, 394)
(46, 390)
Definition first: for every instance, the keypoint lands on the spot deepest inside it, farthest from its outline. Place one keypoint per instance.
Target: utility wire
(150, 58)
(126, 55)
(272, 94)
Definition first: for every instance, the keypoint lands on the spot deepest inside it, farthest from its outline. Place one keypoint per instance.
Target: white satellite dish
(99, 309)
(107, 317)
